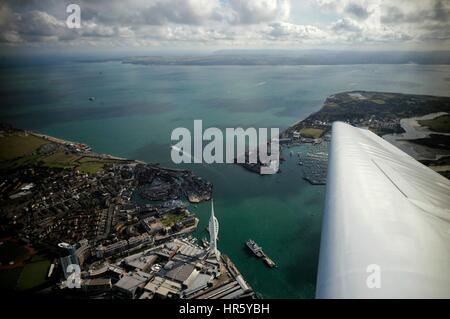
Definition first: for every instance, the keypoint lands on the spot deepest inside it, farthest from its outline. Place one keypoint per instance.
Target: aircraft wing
(386, 224)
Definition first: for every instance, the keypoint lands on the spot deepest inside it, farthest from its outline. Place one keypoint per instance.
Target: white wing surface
(386, 226)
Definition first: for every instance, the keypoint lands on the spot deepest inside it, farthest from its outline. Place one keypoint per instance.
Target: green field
(19, 149)
(9, 278)
(439, 124)
(171, 219)
(90, 164)
(330, 105)
(60, 159)
(17, 145)
(311, 132)
(33, 274)
(91, 167)
(31, 159)
(378, 101)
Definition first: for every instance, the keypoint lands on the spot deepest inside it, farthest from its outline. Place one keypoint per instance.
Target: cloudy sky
(227, 24)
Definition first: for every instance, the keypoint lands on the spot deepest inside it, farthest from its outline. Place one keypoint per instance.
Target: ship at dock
(258, 252)
(253, 246)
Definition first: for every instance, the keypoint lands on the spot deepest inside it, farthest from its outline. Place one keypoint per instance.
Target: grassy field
(20, 149)
(60, 159)
(330, 105)
(90, 164)
(170, 219)
(439, 124)
(9, 278)
(17, 145)
(311, 132)
(91, 167)
(33, 274)
(378, 101)
(20, 161)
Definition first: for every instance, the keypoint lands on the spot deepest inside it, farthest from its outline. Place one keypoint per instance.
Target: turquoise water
(137, 107)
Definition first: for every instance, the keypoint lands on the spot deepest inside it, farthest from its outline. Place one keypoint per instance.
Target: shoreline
(83, 147)
(387, 114)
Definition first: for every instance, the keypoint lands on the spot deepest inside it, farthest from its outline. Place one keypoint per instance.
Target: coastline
(413, 131)
(113, 240)
(389, 115)
(82, 146)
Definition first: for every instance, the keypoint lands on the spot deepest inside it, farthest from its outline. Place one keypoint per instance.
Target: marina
(314, 163)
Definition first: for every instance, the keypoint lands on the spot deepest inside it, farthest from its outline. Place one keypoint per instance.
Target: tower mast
(213, 228)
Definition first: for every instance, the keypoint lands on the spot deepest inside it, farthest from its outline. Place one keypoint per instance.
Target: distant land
(417, 124)
(235, 57)
(306, 57)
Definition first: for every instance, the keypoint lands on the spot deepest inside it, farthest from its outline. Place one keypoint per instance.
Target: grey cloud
(395, 14)
(441, 11)
(94, 30)
(435, 32)
(357, 10)
(152, 12)
(39, 23)
(430, 23)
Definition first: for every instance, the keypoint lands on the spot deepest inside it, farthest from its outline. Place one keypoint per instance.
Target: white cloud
(346, 25)
(258, 11)
(351, 30)
(389, 20)
(224, 22)
(288, 31)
